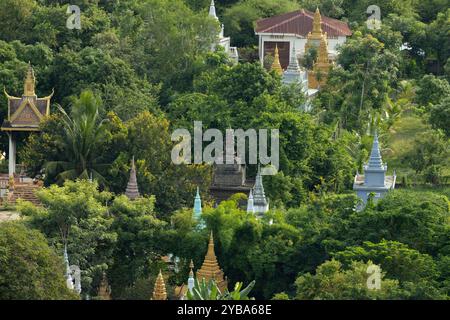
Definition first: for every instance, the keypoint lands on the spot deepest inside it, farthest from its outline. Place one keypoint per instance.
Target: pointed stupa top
(210, 269)
(293, 62)
(212, 10)
(132, 191)
(250, 207)
(375, 161)
(159, 291)
(276, 65)
(197, 206)
(30, 82)
(317, 23)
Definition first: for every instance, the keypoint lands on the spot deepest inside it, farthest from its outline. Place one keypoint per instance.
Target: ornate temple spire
(315, 36)
(276, 62)
(191, 281)
(159, 291)
(104, 290)
(375, 161)
(132, 191)
(210, 269)
(212, 10)
(30, 82)
(69, 279)
(317, 23)
(293, 61)
(260, 203)
(250, 207)
(197, 205)
(198, 210)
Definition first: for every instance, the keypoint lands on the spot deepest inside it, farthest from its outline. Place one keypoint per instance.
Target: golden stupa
(317, 38)
(321, 66)
(276, 65)
(210, 269)
(314, 37)
(159, 291)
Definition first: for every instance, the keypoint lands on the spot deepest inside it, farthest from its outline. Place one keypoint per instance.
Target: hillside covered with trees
(139, 69)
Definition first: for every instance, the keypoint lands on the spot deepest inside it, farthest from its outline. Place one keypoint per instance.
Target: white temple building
(292, 29)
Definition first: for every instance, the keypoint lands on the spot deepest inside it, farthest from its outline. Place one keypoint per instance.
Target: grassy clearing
(400, 141)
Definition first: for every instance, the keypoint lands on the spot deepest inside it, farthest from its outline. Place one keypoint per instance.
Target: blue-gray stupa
(374, 179)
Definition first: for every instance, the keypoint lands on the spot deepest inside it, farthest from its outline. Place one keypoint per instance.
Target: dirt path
(8, 216)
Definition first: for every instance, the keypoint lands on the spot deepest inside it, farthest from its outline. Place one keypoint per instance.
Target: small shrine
(25, 114)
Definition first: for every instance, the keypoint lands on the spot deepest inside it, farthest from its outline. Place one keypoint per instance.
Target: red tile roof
(300, 22)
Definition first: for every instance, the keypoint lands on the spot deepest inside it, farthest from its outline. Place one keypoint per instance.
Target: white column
(14, 153)
(11, 155)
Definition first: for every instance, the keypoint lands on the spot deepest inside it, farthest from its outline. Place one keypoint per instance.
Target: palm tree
(83, 133)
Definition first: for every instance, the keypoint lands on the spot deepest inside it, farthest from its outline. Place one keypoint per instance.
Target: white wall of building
(300, 43)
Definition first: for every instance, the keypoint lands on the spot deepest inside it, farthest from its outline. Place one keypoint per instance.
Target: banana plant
(203, 290)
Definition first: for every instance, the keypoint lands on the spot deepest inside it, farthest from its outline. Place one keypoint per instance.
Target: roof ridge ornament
(30, 82)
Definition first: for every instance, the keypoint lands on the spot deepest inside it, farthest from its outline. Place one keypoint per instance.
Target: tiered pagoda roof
(132, 191)
(159, 291)
(210, 269)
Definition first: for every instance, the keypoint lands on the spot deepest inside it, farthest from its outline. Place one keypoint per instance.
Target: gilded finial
(276, 65)
(317, 21)
(30, 82)
(159, 291)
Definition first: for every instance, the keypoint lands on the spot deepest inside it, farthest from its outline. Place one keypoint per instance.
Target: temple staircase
(25, 192)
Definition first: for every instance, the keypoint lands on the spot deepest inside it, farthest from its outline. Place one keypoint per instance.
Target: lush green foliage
(137, 70)
(30, 269)
(209, 291)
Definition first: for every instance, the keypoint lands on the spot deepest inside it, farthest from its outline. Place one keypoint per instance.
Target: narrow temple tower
(250, 207)
(318, 76)
(159, 291)
(276, 65)
(197, 206)
(260, 203)
(198, 210)
(223, 41)
(293, 73)
(210, 269)
(132, 191)
(69, 279)
(374, 179)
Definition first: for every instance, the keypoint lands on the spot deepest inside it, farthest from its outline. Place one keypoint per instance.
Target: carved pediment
(27, 114)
